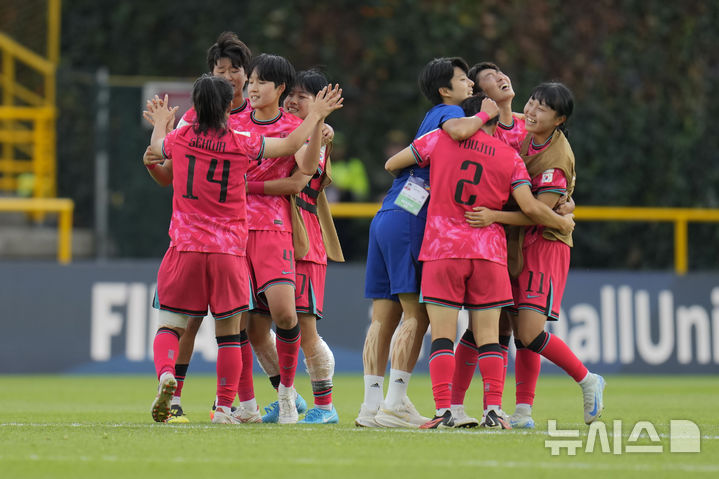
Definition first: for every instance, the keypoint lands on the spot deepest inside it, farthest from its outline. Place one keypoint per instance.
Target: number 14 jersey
(208, 200)
(479, 171)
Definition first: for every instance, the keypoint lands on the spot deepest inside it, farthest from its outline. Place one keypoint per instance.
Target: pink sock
(164, 349)
(465, 362)
(246, 386)
(491, 365)
(229, 367)
(557, 351)
(526, 368)
(441, 370)
(288, 347)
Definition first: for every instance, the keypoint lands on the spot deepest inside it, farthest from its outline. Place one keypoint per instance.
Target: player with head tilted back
(496, 84)
(208, 230)
(542, 265)
(463, 266)
(393, 270)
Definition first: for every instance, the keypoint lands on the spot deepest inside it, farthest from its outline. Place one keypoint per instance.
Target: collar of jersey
(265, 122)
(239, 108)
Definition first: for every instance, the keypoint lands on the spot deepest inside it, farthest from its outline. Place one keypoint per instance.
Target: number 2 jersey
(478, 171)
(208, 199)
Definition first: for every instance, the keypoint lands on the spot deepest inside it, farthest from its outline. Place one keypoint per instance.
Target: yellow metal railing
(27, 116)
(681, 217)
(62, 206)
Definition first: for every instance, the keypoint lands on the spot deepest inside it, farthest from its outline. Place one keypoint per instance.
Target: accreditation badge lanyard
(414, 195)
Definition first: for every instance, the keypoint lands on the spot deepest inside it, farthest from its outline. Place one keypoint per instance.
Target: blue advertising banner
(97, 318)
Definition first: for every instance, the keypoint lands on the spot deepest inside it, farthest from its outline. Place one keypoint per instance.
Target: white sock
(397, 389)
(493, 407)
(250, 405)
(175, 401)
(373, 390)
(523, 409)
(588, 379)
(326, 407)
(440, 412)
(282, 389)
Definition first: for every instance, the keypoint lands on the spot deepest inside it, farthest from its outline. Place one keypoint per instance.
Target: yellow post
(64, 235)
(681, 250)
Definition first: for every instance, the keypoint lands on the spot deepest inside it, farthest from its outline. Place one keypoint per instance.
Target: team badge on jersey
(548, 176)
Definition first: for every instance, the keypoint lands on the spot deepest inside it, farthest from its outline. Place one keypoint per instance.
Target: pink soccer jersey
(208, 199)
(479, 171)
(267, 212)
(514, 134)
(307, 200)
(236, 116)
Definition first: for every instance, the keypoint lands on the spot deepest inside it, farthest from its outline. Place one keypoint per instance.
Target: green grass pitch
(100, 427)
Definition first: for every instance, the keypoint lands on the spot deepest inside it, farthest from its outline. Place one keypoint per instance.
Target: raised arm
(326, 101)
(159, 168)
(162, 118)
(462, 128)
(308, 156)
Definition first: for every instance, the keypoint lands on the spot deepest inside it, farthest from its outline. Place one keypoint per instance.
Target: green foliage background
(644, 73)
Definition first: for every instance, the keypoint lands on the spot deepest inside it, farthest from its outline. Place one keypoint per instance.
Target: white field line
(566, 463)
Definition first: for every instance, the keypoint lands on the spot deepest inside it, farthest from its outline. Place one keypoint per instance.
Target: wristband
(256, 187)
(484, 116)
(151, 166)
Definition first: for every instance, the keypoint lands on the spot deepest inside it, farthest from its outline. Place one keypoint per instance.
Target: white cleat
(593, 392)
(161, 405)
(245, 416)
(288, 410)
(461, 419)
(521, 419)
(405, 415)
(223, 415)
(366, 417)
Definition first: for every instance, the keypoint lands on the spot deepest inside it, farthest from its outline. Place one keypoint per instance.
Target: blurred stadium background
(83, 228)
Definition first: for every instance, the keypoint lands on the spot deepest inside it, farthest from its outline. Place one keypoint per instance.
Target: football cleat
(272, 410)
(493, 420)
(245, 416)
(593, 392)
(286, 399)
(406, 415)
(223, 415)
(439, 422)
(177, 415)
(161, 405)
(461, 419)
(321, 416)
(522, 418)
(214, 408)
(366, 417)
